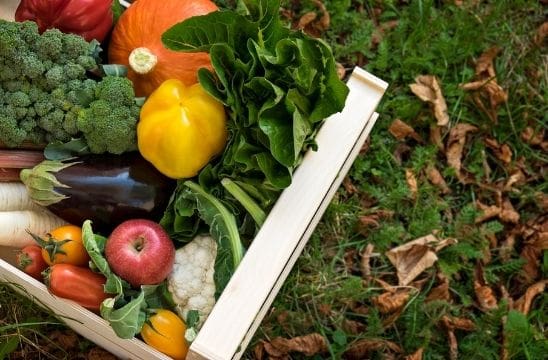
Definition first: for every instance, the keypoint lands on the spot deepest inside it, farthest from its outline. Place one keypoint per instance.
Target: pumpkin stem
(142, 60)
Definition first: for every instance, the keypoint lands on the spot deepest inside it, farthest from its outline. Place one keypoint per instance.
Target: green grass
(323, 292)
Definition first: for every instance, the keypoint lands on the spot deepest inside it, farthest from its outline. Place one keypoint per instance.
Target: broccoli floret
(87, 62)
(43, 107)
(55, 77)
(75, 46)
(50, 45)
(10, 132)
(74, 71)
(17, 99)
(116, 90)
(108, 127)
(71, 118)
(52, 121)
(31, 66)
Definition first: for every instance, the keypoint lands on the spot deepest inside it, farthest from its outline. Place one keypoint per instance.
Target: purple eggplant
(106, 189)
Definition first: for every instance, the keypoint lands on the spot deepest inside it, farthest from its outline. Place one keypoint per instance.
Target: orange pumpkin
(137, 42)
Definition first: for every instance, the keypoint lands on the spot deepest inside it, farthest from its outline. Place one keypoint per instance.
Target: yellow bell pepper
(181, 128)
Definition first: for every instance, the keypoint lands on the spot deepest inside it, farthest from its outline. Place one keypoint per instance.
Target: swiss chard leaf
(127, 320)
(223, 228)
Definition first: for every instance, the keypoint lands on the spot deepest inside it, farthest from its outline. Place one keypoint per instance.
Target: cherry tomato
(30, 260)
(78, 284)
(165, 331)
(63, 245)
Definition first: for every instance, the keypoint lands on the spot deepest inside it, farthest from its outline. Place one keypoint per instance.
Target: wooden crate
(272, 254)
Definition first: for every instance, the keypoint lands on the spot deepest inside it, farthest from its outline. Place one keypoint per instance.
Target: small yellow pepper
(181, 128)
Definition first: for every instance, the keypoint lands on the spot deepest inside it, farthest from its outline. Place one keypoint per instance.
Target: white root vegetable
(14, 196)
(14, 226)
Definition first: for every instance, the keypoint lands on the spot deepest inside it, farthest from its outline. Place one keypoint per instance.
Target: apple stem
(139, 243)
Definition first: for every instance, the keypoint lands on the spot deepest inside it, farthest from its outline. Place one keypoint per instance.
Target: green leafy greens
(278, 86)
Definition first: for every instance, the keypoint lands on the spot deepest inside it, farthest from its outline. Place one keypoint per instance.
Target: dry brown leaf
(349, 186)
(400, 130)
(502, 152)
(412, 258)
(436, 137)
(353, 327)
(362, 349)
(97, 353)
(452, 323)
(308, 345)
(453, 345)
(484, 294)
(508, 213)
(365, 260)
(435, 177)
(411, 180)
(541, 34)
(532, 137)
(390, 302)
(350, 259)
(530, 271)
(427, 89)
(402, 152)
(440, 292)
(486, 86)
(417, 355)
(66, 339)
(311, 24)
(455, 148)
(523, 304)
(487, 211)
(517, 177)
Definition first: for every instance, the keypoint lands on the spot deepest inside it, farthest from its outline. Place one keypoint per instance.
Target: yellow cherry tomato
(165, 331)
(64, 245)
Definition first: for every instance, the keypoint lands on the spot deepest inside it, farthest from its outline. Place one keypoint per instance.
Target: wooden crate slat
(250, 288)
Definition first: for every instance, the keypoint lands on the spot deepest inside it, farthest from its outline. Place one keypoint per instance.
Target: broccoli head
(108, 128)
(116, 90)
(11, 133)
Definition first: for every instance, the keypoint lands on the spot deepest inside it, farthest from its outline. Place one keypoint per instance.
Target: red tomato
(30, 260)
(78, 284)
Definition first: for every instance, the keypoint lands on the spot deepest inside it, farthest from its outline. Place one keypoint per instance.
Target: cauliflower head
(191, 282)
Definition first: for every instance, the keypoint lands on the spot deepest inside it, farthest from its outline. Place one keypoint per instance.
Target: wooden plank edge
(306, 236)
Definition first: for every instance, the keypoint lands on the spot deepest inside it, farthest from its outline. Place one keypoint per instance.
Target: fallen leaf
(412, 258)
(311, 24)
(455, 148)
(352, 327)
(402, 152)
(66, 339)
(517, 177)
(362, 348)
(417, 355)
(436, 137)
(453, 345)
(508, 213)
(365, 260)
(427, 89)
(440, 292)
(485, 86)
(259, 352)
(400, 130)
(484, 294)
(390, 302)
(541, 34)
(411, 183)
(349, 186)
(452, 322)
(325, 309)
(487, 212)
(502, 152)
(523, 304)
(308, 345)
(532, 137)
(350, 259)
(97, 353)
(435, 177)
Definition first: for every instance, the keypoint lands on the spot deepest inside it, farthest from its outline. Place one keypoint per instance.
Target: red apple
(140, 252)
